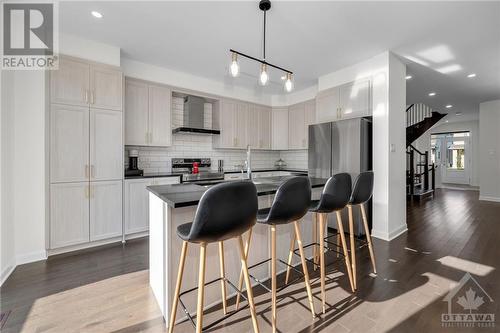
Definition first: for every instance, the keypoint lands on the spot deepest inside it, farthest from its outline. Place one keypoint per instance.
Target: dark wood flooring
(106, 289)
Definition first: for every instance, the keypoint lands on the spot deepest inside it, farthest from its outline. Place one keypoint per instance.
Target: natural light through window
(466, 265)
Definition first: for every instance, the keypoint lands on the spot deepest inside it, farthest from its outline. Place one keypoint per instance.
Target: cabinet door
(136, 201)
(327, 105)
(355, 99)
(106, 87)
(136, 113)
(264, 128)
(296, 124)
(69, 143)
(310, 119)
(69, 214)
(253, 137)
(227, 115)
(70, 83)
(105, 209)
(240, 125)
(279, 129)
(106, 145)
(160, 116)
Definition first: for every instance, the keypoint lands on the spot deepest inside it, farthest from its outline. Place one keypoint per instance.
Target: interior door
(456, 159)
(106, 148)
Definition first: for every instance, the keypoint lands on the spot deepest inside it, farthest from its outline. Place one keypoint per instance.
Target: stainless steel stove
(185, 167)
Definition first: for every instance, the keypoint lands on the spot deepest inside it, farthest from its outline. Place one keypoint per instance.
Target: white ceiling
(311, 39)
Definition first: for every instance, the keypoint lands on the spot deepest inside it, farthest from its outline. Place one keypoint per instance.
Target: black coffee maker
(133, 164)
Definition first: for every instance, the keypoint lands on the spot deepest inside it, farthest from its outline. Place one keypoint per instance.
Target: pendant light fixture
(234, 68)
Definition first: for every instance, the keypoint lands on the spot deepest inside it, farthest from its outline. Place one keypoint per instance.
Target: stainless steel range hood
(194, 117)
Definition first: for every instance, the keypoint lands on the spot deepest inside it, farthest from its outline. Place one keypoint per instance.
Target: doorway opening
(451, 153)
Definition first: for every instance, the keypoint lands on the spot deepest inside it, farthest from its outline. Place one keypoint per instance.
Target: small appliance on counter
(280, 164)
(195, 169)
(133, 164)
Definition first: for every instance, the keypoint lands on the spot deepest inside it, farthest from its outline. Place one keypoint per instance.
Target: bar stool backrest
(336, 193)
(363, 188)
(291, 201)
(225, 211)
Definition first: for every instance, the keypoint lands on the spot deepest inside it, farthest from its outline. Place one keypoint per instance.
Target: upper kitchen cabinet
(148, 115)
(230, 117)
(83, 83)
(106, 85)
(300, 116)
(279, 131)
(259, 127)
(350, 100)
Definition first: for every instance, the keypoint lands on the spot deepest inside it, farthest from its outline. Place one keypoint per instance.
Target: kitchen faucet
(248, 162)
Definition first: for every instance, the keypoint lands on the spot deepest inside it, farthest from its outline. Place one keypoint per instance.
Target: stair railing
(429, 169)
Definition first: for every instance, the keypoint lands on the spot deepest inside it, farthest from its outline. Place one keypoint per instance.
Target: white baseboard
(388, 236)
(31, 257)
(6, 273)
(487, 198)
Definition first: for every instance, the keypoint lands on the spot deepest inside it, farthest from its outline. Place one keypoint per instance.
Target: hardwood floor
(106, 290)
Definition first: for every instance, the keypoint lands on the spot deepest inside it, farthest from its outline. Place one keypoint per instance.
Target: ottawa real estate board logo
(469, 305)
(30, 35)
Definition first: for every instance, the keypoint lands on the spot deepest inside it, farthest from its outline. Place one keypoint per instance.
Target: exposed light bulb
(96, 14)
(234, 69)
(264, 77)
(288, 82)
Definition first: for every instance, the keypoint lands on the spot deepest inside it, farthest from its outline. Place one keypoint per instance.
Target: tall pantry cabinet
(86, 152)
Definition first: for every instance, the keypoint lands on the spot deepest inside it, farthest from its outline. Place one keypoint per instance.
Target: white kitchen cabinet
(136, 113)
(106, 150)
(106, 85)
(69, 214)
(354, 99)
(279, 131)
(310, 118)
(148, 114)
(264, 127)
(253, 138)
(69, 143)
(160, 118)
(230, 116)
(136, 202)
(350, 100)
(70, 83)
(296, 127)
(105, 209)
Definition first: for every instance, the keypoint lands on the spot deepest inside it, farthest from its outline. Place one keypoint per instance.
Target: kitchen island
(173, 205)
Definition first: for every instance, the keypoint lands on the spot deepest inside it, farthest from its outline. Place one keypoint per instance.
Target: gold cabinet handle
(86, 96)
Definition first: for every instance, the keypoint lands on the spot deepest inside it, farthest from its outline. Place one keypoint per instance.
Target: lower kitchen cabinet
(105, 209)
(69, 214)
(136, 202)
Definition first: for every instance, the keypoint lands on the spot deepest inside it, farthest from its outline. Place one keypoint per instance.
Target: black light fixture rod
(261, 61)
(265, 11)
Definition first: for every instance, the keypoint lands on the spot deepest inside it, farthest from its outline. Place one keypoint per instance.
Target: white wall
(87, 49)
(387, 73)
(424, 143)
(489, 150)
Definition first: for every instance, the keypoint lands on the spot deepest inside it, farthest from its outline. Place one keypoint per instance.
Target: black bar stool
(334, 198)
(361, 193)
(290, 204)
(225, 211)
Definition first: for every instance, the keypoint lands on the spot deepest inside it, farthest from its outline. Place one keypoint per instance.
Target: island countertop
(184, 195)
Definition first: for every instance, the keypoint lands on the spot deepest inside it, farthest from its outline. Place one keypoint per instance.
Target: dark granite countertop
(184, 195)
(267, 170)
(173, 174)
(155, 175)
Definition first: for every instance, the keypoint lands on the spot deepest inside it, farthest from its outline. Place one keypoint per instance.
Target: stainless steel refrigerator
(341, 146)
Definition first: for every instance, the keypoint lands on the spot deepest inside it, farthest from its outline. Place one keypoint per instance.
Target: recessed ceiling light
(96, 14)
(471, 75)
(449, 106)
(458, 113)
(446, 121)
(408, 77)
(432, 94)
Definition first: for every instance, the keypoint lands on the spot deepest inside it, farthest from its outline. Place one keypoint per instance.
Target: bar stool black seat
(290, 204)
(225, 211)
(361, 194)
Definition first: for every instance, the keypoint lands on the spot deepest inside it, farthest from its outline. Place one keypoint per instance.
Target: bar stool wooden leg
(353, 246)
(338, 244)
(315, 240)
(322, 218)
(178, 284)
(368, 237)
(290, 256)
(240, 281)
(344, 246)
(244, 265)
(304, 268)
(273, 276)
(201, 287)
(222, 275)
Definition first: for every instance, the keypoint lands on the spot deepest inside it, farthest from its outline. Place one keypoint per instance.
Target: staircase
(420, 174)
